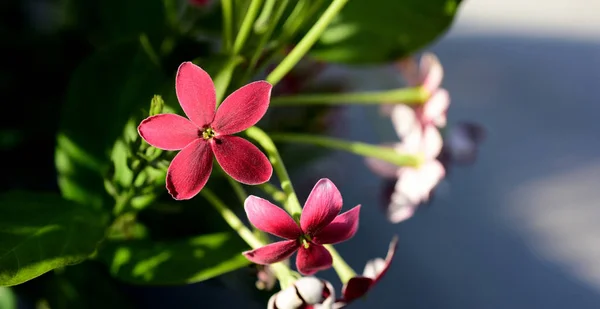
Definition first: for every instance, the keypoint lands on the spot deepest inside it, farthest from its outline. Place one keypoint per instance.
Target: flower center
(207, 133)
(305, 240)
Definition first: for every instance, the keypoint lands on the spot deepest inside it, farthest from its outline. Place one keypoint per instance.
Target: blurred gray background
(521, 227)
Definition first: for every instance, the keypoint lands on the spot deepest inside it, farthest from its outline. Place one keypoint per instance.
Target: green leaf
(174, 262)
(41, 232)
(369, 32)
(105, 91)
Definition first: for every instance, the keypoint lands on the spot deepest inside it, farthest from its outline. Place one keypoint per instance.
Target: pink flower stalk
(305, 293)
(208, 133)
(414, 184)
(374, 270)
(319, 224)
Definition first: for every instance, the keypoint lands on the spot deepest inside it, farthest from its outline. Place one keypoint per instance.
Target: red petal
(356, 288)
(189, 170)
(270, 218)
(272, 253)
(196, 94)
(323, 204)
(342, 228)
(312, 259)
(168, 131)
(388, 258)
(243, 108)
(241, 160)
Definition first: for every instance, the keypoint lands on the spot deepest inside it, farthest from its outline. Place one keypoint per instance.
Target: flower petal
(196, 94)
(342, 228)
(431, 71)
(434, 110)
(312, 259)
(381, 168)
(168, 131)
(401, 207)
(272, 253)
(324, 203)
(431, 142)
(189, 170)
(241, 160)
(356, 287)
(388, 260)
(243, 108)
(404, 119)
(270, 218)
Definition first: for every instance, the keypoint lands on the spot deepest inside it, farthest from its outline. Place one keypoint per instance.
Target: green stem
(415, 96)
(293, 21)
(307, 42)
(282, 4)
(262, 21)
(276, 194)
(282, 272)
(238, 189)
(224, 76)
(227, 6)
(246, 27)
(358, 148)
(232, 219)
(292, 205)
(343, 270)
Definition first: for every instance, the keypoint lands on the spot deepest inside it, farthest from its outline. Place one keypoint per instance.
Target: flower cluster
(417, 128)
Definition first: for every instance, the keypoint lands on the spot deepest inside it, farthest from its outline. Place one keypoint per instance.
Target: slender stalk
(343, 270)
(224, 76)
(282, 4)
(262, 21)
(413, 96)
(227, 6)
(246, 27)
(292, 205)
(358, 148)
(282, 272)
(307, 42)
(238, 189)
(276, 194)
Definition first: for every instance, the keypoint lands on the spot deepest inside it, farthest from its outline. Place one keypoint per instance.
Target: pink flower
(319, 224)
(208, 133)
(427, 74)
(305, 293)
(414, 184)
(374, 270)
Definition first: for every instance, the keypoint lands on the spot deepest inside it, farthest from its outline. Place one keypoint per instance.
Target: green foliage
(369, 32)
(99, 104)
(41, 232)
(7, 298)
(174, 262)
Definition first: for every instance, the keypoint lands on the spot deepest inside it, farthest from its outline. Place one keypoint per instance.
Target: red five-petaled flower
(209, 132)
(319, 224)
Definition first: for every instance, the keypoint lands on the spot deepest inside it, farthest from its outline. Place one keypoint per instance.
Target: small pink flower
(374, 270)
(305, 293)
(208, 133)
(427, 74)
(319, 224)
(414, 184)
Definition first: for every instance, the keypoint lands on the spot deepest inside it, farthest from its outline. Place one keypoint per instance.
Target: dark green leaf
(41, 232)
(104, 93)
(384, 30)
(174, 262)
